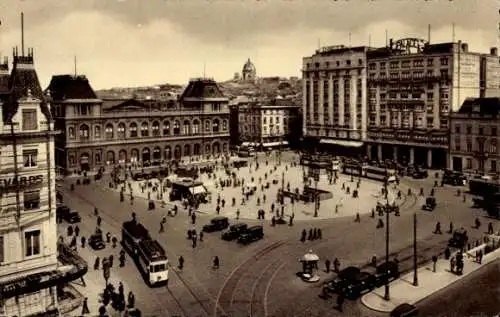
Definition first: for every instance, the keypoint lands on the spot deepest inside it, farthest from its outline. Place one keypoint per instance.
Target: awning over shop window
(272, 144)
(342, 142)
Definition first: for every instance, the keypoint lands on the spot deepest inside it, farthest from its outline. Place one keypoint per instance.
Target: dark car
(405, 310)
(70, 216)
(386, 272)
(459, 239)
(234, 231)
(138, 176)
(217, 224)
(252, 234)
(344, 277)
(420, 173)
(96, 242)
(363, 283)
(430, 204)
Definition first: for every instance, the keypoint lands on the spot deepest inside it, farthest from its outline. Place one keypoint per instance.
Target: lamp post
(415, 274)
(387, 210)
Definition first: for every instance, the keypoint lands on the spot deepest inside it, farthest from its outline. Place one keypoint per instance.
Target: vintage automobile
(96, 242)
(217, 224)
(344, 277)
(234, 231)
(252, 234)
(363, 283)
(405, 310)
(70, 216)
(386, 272)
(430, 204)
(459, 239)
(420, 173)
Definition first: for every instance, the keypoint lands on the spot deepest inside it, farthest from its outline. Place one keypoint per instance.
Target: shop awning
(249, 144)
(200, 189)
(345, 143)
(272, 144)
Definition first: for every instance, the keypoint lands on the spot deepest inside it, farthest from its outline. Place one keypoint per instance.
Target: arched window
(156, 128)
(187, 150)
(196, 149)
(133, 130)
(166, 128)
(196, 127)
(177, 152)
(121, 130)
(84, 132)
(215, 125)
(168, 153)
(110, 131)
(71, 132)
(224, 147)
(207, 126)
(224, 125)
(177, 128)
(186, 127)
(144, 129)
(493, 146)
(97, 132)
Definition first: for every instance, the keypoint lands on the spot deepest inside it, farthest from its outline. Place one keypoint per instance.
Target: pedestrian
(480, 257)
(201, 236)
(452, 265)
(447, 253)
(216, 262)
(85, 307)
(120, 289)
(358, 219)
(122, 259)
(478, 223)
(96, 263)
(373, 213)
(82, 240)
(238, 214)
(336, 265)
(217, 209)
(99, 220)
(340, 302)
(77, 230)
(96, 212)
(438, 228)
(434, 263)
(380, 223)
(162, 228)
(273, 221)
(70, 231)
(131, 300)
(303, 236)
(193, 218)
(315, 234)
(319, 234)
(108, 237)
(194, 240)
(451, 228)
(490, 228)
(181, 263)
(374, 261)
(111, 261)
(327, 265)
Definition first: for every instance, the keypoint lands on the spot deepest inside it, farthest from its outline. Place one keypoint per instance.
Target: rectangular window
(32, 242)
(30, 158)
(457, 144)
(469, 129)
(469, 163)
(469, 147)
(1, 250)
(493, 169)
(481, 131)
(29, 119)
(493, 131)
(32, 199)
(97, 132)
(457, 128)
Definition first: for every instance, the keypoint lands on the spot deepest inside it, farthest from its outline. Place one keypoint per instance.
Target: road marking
(268, 287)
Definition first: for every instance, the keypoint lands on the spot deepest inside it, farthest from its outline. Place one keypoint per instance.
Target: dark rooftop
(485, 106)
(22, 80)
(202, 88)
(70, 87)
(339, 49)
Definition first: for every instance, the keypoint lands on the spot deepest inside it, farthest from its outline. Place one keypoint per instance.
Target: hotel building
(99, 133)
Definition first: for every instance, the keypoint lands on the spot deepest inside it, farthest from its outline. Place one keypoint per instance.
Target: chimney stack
(494, 51)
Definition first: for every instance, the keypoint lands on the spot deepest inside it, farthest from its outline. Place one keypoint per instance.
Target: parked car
(459, 239)
(430, 204)
(420, 173)
(216, 224)
(363, 283)
(343, 278)
(68, 215)
(96, 242)
(386, 272)
(252, 234)
(234, 231)
(405, 310)
(138, 176)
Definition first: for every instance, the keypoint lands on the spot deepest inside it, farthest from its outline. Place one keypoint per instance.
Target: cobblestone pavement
(260, 279)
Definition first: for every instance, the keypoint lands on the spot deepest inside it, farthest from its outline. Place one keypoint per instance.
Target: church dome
(249, 67)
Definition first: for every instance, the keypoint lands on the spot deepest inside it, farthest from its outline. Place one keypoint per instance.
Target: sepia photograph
(249, 158)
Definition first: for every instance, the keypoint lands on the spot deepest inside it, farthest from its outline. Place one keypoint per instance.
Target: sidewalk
(403, 291)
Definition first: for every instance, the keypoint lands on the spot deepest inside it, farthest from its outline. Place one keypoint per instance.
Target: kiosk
(309, 265)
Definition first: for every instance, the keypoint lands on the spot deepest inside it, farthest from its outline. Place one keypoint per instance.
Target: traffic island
(430, 279)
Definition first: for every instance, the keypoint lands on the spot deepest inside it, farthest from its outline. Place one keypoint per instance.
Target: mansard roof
(202, 88)
(63, 87)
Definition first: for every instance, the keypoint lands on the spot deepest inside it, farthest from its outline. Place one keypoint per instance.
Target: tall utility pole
(415, 274)
(387, 295)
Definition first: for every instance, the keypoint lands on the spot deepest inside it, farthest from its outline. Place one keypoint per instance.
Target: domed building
(249, 72)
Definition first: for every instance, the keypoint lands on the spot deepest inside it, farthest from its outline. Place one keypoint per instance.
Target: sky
(128, 43)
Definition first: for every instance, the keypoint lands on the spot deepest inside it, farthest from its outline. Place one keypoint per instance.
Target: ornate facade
(99, 133)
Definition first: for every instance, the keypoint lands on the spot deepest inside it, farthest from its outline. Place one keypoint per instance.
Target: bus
(352, 168)
(245, 151)
(148, 254)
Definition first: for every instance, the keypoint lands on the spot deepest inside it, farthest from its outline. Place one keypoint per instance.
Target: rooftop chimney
(465, 47)
(494, 51)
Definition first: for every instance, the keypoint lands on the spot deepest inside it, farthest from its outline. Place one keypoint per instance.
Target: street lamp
(387, 210)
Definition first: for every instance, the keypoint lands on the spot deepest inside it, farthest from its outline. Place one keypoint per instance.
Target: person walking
(340, 302)
(85, 307)
(111, 260)
(327, 266)
(434, 263)
(336, 265)
(480, 257)
(216, 262)
(452, 264)
(490, 228)
(181, 263)
(77, 230)
(99, 221)
(83, 240)
(201, 236)
(438, 228)
(319, 234)
(477, 223)
(303, 236)
(96, 263)
(451, 228)
(358, 218)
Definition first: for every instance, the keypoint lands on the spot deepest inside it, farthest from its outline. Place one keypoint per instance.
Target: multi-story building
(334, 97)
(138, 132)
(474, 136)
(490, 74)
(28, 233)
(268, 124)
(412, 88)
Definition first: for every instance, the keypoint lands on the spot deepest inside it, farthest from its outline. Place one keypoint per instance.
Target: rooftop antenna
(386, 38)
(204, 68)
(453, 32)
(74, 62)
(22, 33)
(429, 33)
(349, 39)
(369, 40)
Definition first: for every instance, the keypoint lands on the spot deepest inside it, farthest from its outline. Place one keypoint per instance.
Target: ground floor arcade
(405, 154)
(92, 157)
